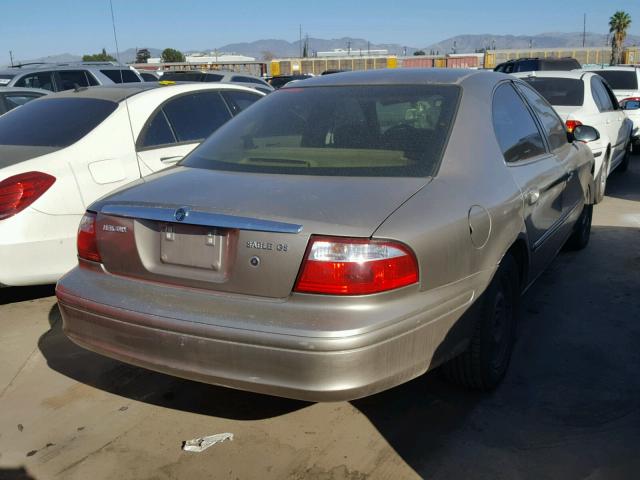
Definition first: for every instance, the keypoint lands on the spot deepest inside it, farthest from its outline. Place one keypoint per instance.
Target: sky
(38, 28)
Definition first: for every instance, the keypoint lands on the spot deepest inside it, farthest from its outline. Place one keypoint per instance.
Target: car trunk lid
(237, 233)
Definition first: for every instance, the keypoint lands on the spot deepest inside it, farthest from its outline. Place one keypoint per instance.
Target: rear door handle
(533, 196)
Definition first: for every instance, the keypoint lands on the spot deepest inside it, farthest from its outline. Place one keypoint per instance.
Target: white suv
(583, 98)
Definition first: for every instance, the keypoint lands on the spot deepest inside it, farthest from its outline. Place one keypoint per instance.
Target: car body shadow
(15, 474)
(84, 366)
(624, 185)
(23, 294)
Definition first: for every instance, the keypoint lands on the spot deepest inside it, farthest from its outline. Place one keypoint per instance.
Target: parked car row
(340, 236)
(585, 98)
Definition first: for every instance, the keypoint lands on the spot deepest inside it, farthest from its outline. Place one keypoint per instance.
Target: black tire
(624, 165)
(579, 239)
(485, 361)
(601, 182)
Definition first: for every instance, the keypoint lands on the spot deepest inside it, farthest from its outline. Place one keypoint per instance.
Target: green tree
(170, 55)
(98, 57)
(419, 52)
(618, 26)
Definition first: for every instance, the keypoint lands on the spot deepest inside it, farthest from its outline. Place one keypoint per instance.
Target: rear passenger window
(37, 80)
(600, 95)
(195, 116)
(157, 132)
(527, 66)
(120, 76)
(515, 128)
(238, 100)
(73, 78)
(553, 126)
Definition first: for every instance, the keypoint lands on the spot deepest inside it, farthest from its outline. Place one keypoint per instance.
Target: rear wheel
(484, 363)
(579, 239)
(601, 180)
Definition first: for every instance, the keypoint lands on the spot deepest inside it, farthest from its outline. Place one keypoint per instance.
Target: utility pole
(300, 40)
(11, 57)
(584, 29)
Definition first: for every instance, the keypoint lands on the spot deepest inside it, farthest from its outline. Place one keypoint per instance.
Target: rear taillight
(572, 124)
(354, 266)
(20, 191)
(87, 244)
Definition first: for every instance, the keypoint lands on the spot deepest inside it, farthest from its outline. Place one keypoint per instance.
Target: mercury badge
(181, 214)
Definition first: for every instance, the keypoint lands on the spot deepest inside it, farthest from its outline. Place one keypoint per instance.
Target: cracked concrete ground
(569, 407)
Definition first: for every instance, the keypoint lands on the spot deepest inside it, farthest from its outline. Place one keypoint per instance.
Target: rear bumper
(304, 363)
(37, 248)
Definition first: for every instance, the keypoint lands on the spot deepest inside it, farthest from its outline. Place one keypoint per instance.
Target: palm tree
(618, 25)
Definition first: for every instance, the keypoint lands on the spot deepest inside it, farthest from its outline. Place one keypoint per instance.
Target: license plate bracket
(193, 246)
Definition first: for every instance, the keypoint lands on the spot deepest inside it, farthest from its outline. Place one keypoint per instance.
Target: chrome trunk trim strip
(189, 216)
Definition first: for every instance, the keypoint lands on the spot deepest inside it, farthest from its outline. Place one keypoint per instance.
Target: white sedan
(584, 98)
(60, 153)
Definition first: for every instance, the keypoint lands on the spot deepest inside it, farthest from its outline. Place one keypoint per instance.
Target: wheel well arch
(520, 252)
(607, 154)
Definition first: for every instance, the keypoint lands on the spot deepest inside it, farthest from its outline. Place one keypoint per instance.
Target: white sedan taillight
(20, 191)
(355, 266)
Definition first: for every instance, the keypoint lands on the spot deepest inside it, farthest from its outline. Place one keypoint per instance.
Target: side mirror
(585, 133)
(631, 105)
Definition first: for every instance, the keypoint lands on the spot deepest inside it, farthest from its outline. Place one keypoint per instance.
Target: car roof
(394, 77)
(623, 68)
(576, 74)
(36, 67)
(119, 92)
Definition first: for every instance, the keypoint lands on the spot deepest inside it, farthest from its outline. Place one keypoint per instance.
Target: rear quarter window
(53, 122)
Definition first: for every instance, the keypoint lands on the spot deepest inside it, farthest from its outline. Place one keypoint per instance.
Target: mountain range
(461, 43)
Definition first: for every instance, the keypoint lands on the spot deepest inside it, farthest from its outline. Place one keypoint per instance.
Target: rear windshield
(559, 91)
(53, 122)
(5, 79)
(619, 79)
(383, 130)
(121, 76)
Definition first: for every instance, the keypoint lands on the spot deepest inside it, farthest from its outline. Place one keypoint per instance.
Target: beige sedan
(342, 236)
